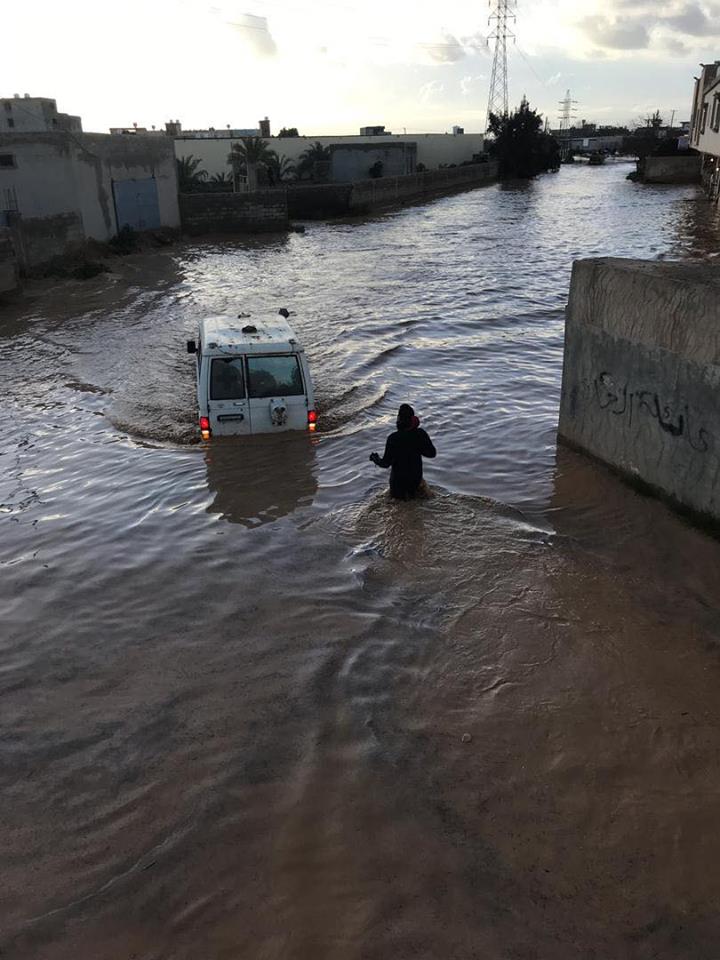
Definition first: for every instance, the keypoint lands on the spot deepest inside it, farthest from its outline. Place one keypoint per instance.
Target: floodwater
(253, 709)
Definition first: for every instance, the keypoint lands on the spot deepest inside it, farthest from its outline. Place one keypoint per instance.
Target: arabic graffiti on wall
(624, 402)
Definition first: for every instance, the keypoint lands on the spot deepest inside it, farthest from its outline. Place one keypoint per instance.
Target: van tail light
(312, 419)
(205, 428)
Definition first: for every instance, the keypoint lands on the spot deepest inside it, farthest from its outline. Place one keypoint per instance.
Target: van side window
(274, 377)
(227, 381)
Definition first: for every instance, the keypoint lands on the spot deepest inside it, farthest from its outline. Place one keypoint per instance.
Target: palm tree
(315, 162)
(190, 177)
(246, 156)
(281, 168)
(221, 182)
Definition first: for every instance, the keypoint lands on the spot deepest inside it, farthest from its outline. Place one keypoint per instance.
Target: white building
(433, 149)
(705, 126)
(60, 189)
(28, 114)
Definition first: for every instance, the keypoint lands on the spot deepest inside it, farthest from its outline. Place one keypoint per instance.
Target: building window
(715, 119)
(8, 107)
(7, 160)
(703, 117)
(11, 122)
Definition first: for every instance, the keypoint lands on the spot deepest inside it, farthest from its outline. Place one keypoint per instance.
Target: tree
(190, 177)
(520, 146)
(246, 156)
(281, 168)
(221, 182)
(314, 162)
(289, 132)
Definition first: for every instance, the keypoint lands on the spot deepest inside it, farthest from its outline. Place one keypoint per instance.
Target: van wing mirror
(191, 346)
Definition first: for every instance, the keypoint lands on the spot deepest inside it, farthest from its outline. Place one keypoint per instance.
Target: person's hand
(374, 457)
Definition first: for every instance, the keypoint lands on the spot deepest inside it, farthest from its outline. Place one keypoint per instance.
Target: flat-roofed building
(28, 114)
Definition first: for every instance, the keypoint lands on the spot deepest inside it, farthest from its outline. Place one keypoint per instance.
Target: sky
(330, 67)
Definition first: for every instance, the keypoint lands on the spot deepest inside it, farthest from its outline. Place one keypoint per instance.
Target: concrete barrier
(641, 377)
(677, 169)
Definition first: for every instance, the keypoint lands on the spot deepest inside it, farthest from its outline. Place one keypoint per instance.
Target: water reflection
(257, 480)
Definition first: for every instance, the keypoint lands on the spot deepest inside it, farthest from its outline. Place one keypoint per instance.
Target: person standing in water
(404, 451)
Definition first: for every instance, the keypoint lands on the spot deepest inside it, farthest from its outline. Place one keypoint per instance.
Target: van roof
(225, 334)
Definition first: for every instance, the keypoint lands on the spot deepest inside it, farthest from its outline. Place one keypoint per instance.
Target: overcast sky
(330, 67)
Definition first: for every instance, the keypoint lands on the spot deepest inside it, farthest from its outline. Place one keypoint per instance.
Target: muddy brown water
(236, 679)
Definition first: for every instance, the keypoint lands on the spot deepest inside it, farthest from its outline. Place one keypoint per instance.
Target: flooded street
(236, 679)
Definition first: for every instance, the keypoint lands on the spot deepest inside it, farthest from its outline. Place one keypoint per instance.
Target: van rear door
(227, 397)
(276, 392)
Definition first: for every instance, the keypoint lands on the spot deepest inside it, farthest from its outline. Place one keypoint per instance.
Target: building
(28, 114)
(59, 189)
(359, 161)
(705, 126)
(432, 150)
(374, 132)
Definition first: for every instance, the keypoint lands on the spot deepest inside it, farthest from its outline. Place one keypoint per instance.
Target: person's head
(405, 417)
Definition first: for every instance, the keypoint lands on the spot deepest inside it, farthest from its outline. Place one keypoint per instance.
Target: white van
(252, 377)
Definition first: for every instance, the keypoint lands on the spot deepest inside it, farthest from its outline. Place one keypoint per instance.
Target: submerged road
(253, 709)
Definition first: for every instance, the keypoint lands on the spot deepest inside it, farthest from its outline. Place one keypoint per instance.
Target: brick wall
(262, 211)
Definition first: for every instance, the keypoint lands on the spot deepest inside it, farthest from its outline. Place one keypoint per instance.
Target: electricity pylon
(567, 112)
(502, 13)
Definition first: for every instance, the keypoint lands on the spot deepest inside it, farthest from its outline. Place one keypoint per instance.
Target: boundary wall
(641, 376)
(322, 201)
(261, 211)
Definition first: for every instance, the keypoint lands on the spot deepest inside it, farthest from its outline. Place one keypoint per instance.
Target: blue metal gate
(136, 204)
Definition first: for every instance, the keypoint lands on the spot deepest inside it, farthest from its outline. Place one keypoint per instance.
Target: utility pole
(501, 15)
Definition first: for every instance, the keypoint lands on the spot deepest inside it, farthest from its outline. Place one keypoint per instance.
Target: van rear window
(227, 380)
(274, 377)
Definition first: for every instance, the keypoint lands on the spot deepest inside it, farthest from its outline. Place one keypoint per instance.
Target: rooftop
(225, 334)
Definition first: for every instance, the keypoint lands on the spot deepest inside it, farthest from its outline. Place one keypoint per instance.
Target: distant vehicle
(596, 159)
(252, 377)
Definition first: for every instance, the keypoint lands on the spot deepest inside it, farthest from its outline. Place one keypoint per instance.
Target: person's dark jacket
(404, 451)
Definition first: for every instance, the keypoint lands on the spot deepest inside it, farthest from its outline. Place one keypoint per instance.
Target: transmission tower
(567, 112)
(502, 13)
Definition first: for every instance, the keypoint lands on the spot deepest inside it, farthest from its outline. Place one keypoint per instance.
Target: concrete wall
(432, 148)
(8, 263)
(641, 380)
(39, 239)
(676, 169)
(322, 201)
(62, 181)
(354, 162)
(259, 212)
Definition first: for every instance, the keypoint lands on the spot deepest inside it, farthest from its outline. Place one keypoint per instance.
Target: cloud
(641, 24)
(676, 47)
(430, 91)
(447, 50)
(471, 84)
(629, 33)
(256, 34)
(691, 19)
